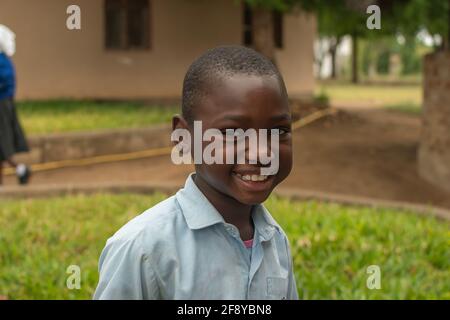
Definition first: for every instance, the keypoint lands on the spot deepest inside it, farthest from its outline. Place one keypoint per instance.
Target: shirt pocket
(277, 288)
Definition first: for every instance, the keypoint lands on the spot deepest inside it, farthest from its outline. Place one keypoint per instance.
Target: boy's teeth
(252, 177)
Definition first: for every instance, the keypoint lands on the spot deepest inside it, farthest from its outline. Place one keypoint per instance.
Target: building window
(248, 35)
(248, 29)
(127, 24)
(278, 29)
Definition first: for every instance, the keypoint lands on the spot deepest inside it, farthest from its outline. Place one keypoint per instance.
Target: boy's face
(244, 101)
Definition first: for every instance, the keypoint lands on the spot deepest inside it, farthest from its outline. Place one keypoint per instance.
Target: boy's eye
(230, 130)
(232, 134)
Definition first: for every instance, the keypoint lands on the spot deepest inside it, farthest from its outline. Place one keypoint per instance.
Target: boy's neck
(232, 211)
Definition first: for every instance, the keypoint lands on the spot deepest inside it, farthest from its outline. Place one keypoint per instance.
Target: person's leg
(1, 172)
(23, 172)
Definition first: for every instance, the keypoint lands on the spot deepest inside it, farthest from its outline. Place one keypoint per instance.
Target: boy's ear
(178, 122)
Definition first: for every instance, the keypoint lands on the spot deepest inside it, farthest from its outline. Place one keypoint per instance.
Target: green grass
(332, 246)
(42, 117)
(405, 98)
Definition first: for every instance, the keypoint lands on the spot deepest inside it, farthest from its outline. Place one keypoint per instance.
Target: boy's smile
(244, 101)
(248, 178)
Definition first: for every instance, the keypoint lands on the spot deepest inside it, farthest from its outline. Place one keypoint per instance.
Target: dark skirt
(12, 138)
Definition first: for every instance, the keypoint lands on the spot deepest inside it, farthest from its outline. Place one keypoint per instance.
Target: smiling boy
(214, 239)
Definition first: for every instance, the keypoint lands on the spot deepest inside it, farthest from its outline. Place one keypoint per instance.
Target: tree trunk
(434, 151)
(263, 38)
(333, 52)
(333, 62)
(319, 57)
(355, 78)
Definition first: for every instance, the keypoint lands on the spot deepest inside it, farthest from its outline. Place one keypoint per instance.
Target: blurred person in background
(12, 138)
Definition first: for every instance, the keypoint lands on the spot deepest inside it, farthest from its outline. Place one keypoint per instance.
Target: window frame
(124, 7)
(247, 28)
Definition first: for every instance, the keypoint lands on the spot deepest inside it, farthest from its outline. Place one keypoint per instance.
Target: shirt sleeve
(292, 286)
(125, 273)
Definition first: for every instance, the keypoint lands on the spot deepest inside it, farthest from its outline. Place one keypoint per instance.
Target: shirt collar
(200, 213)
(197, 210)
(264, 223)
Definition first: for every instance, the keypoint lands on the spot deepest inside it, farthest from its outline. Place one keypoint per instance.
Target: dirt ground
(360, 152)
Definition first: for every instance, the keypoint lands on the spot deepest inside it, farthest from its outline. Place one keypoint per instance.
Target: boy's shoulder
(154, 224)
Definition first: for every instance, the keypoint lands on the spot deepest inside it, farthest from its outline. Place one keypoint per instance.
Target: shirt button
(230, 230)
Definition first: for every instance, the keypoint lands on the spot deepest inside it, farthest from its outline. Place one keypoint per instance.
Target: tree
(337, 18)
(431, 15)
(332, 27)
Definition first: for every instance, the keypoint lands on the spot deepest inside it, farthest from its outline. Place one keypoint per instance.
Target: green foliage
(383, 62)
(280, 5)
(378, 51)
(411, 58)
(322, 97)
(337, 17)
(332, 246)
(419, 14)
(340, 17)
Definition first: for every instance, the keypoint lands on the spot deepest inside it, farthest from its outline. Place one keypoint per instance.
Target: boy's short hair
(220, 62)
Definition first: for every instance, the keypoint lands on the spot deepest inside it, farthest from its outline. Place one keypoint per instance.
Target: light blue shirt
(183, 249)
